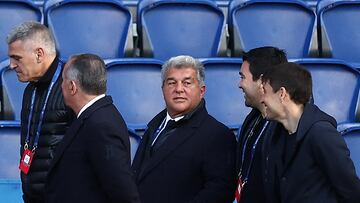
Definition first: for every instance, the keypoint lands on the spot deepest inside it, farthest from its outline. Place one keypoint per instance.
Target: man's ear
(283, 94)
(39, 52)
(73, 87)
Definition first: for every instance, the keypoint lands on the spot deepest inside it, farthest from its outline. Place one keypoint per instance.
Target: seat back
(12, 13)
(10, 185)
(102, 27)
(335, 88)
(11, 92)
(340, 31)
(134, 143)
(135, 85)
(352, 139)
(9, 149)
(186, 27)
(287, 24)
(224, 100)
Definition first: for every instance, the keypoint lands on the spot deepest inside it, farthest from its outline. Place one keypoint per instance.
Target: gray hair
(36, 32)
(89, 70)
(184, 62)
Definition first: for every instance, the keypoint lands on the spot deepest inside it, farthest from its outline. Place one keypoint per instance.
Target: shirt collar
(91, 102)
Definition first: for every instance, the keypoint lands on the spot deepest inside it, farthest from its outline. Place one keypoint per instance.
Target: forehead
(180, 73)
(245, 68)
(20, 45)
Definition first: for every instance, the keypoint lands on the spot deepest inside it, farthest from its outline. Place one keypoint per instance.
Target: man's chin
(248, 104)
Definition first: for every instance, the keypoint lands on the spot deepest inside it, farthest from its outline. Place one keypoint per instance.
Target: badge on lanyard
(239, 189)
(28, 155)
(26, 160)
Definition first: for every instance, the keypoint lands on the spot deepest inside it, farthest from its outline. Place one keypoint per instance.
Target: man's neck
(292, 117)
(82, 101)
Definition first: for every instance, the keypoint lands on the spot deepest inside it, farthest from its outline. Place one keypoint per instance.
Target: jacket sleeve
(333, 156)
(109, 156)
(219, 169)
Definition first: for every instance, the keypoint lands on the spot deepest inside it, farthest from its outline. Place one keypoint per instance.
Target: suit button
(283, 179)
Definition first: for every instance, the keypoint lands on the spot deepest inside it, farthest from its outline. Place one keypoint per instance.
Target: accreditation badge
(26, 160)
(239, 188)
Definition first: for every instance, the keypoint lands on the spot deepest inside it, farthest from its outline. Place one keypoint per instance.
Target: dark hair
(89, 70)
(293, 77)
(261, 58)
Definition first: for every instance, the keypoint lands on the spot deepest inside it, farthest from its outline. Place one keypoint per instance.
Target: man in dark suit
(92, 163)
(312, 161)
(185, 154)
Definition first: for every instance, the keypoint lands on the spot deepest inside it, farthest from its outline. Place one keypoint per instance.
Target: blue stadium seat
(224, 100)
(340, 31)
(135, 85)
(12, 13)
(287, 24)
(335, 88)
(352, 139)
(168, 28)
(10, 186)
(11, 93)
(102, 27)
(9, 149)
(135, 139)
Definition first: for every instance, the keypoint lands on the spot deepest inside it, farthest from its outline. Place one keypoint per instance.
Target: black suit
(92, 162)
(195, 163)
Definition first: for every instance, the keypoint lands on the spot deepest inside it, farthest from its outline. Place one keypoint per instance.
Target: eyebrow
(14, 56)
(186, 78)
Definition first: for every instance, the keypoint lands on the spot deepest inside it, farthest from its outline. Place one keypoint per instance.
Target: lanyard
(38, 129)
(252, 150)
(158, 131)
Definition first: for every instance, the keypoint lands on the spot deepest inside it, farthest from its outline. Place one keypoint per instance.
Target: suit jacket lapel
(75, 126)
(68, 137)
(172, 143)
(181, 135)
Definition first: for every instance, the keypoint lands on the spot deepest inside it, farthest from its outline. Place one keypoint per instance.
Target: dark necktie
(164, 134)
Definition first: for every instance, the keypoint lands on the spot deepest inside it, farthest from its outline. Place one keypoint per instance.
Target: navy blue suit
(92, 163)
(195, 164)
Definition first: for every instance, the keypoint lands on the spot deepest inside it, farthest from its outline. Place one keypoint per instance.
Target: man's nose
(12, 64)
(179, 87)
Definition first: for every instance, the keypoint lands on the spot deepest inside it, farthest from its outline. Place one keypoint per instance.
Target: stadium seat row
(131, 81)
(199, 28)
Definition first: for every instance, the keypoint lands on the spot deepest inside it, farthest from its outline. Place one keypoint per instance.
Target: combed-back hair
(90, 71)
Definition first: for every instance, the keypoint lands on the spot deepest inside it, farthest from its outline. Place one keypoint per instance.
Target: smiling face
(273, 102)
(25, 61)
(181, 90)
(252, 89)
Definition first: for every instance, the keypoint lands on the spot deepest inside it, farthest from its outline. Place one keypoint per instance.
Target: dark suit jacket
(92, 163)
(195, 164)
(319, 169)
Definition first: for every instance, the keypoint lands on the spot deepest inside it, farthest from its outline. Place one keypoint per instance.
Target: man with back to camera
(44, 116)
(92, 163)
(251, 150)
(185, 154)
(311, 160)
